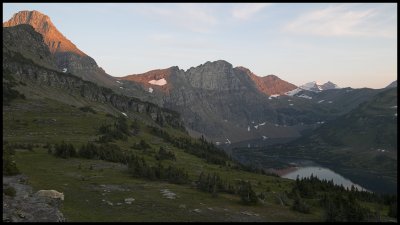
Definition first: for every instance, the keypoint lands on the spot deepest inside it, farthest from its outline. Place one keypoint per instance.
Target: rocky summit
(224, 103)
(67, 56)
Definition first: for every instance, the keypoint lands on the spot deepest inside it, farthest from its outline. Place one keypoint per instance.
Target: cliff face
(43, 25)
(67, 56)
(20, 39)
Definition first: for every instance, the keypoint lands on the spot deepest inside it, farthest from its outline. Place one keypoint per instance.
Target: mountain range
(135, 137)
(365, 140)
(215, 99)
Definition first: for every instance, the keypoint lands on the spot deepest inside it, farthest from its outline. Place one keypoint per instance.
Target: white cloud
(244, 11)
(194, 17)
(344, 20)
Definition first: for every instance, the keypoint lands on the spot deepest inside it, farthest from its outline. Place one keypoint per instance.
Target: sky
(352, 45)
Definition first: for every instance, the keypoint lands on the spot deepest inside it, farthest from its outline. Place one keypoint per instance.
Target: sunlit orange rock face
(269, 85)
(144, 79)
(67, 56)
(43, 25)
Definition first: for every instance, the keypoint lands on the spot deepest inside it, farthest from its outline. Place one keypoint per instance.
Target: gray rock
(26, 207)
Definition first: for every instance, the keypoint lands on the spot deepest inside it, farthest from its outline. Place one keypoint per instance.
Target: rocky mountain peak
(68, 57)
(328, 85)
(316, 86)
(42, 24)
(270, 84)
(217, 63)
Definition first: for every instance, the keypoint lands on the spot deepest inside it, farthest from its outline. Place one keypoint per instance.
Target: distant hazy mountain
(393, 84)
(67, 56)
(313, 86)
(328, 85)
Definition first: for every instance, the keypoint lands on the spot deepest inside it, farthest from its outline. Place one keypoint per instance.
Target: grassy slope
(39, 120)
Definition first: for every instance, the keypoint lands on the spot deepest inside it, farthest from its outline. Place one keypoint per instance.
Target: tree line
(202, 149)
(137, 165)
(340, 204)
(212, 183)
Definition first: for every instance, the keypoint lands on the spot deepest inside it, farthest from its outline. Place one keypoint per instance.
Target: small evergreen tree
(246, 193)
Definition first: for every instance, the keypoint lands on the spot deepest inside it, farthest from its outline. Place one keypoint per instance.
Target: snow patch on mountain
(273, 96)
(321, 101)
(293, 92)
(159, 82)
(65, 70)
(259, 125)
(150, 90)
(312, 86)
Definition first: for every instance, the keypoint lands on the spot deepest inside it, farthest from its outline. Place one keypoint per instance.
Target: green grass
(41, 121)
(83, 198)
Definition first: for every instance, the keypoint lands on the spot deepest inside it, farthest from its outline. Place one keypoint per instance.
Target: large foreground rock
(27, 207)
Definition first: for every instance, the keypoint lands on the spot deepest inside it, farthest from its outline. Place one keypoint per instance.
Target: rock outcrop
(26, 206)
(23, 38)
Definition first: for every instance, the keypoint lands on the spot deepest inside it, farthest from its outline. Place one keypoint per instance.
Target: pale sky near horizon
(349, 44)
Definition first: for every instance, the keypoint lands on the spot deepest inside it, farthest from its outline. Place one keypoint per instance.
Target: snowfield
(273, 96)
(159, 82)
(293, 92)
